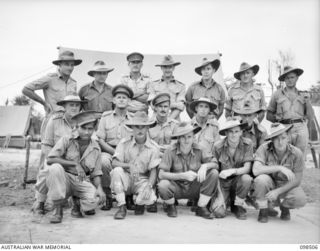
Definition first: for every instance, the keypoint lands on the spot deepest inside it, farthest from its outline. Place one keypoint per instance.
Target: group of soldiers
(101, 143)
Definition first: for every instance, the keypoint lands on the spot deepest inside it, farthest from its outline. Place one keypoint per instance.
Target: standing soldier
(138, 82)
(288, 105)
(98, 92)
(278, 168)
(209, 133)
(135, 162)
(245, 90)
(206, 87)
(169, 84)
(161, 133)
(72, 159)
(59, 125)
(187, 172)
(110, 131)
(234, 154)
(55, 87)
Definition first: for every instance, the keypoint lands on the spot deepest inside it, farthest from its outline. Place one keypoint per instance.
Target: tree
(315, 94)
(21, 100)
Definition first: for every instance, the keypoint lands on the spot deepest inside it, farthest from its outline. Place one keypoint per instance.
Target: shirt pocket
(111, 131)
(224, 163)
(283, 106)
(299, 106)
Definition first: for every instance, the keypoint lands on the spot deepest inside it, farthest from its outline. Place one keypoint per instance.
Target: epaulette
(178, 82)
(106, 113)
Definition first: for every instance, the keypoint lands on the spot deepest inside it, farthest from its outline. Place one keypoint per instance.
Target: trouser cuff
(121, 199)
(203, 200)
(170, 201)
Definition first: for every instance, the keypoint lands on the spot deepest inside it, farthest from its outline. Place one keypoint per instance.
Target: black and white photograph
(159, 122)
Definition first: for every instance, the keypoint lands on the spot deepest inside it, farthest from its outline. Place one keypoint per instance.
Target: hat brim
(275, 134)
(194, 130)
(196, 102)
(87, 122)
(222, 132)
(150, 124)
(255, 69)
(62, 102)
(76, 61)
(215, 64)
(91, 73)
(247, 112)
(173, 64)
(298, 71)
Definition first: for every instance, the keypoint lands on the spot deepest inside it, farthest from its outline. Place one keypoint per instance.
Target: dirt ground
(17, 224)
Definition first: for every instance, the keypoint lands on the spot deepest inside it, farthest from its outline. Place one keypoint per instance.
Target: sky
(242, 30)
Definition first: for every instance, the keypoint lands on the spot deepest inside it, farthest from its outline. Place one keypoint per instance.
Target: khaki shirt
(139, 85)
(54, 89)
(162, 133)
(68, 148)
(143, 158)
(243, 154)
(209, 133)
(293, 159)
(174, 161)
(285, 108)
(257, 134)
(197, 90)
(237, 97)
(175, 88)
(97, 101)
(112, 128)
(57, 127)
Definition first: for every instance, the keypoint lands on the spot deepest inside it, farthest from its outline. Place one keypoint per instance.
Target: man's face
(140, 132)
(248, 118)
(66, 67)
(135, 66)
(100, 77)
(186, 140)
(202, 109)
(234, 134)
(121, 100)
(280, 142)
(85, 131)
(247, 76)
(162, 109)
(207, 71)
(72, 108)
(167, 71)
(291, 79)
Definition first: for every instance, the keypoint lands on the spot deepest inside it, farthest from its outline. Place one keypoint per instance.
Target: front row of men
(150, 158)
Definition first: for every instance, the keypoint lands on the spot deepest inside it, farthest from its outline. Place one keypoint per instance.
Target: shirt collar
(212, 81)
(193, 146)
(172, 79)
(147, 143)
(60, 76)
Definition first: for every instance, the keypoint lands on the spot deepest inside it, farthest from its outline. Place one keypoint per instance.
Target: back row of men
(191, 164)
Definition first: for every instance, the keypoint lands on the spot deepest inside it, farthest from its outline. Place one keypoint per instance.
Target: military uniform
(209, 133)
(237, 97)
(243, 154)
(134, 181)
(197, 90)
(162, 132)
(257, 133)
(293, 160)
(97, 101)
(63, 183)
(291, 110)
(139, 85)
(175, 88)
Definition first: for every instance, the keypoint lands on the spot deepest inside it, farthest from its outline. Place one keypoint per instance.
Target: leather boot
(139, 210)
(121, 213)
(272, 212)
(76, 211)
(57, 215)
(263, 215)
(108, 204)
(204, 212)
(241, 213)
(90, 212)
(172, 210)
(40, 210)
(285, 213)
(194, 205)
(129, 202)
(152, 208)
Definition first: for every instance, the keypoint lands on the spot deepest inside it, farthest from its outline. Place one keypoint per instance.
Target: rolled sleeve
(298, 164)
(154, 159)
(166, 161)
(41, 83)
(97, 170)
(260, 154)
(59, 149)
(101, 132)
(119, 153)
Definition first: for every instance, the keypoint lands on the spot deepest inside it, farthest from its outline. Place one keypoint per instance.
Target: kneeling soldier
(71, 160)
(234, 154)
(186, 172)
(279, 168)
(135, 161)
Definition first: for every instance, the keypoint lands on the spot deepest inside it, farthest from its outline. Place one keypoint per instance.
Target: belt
(291, 121)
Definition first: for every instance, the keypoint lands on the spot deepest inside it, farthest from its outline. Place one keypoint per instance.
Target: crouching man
(187, 173)
(278, 168)
(135, 161)
(71, 160)
(234, 154)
